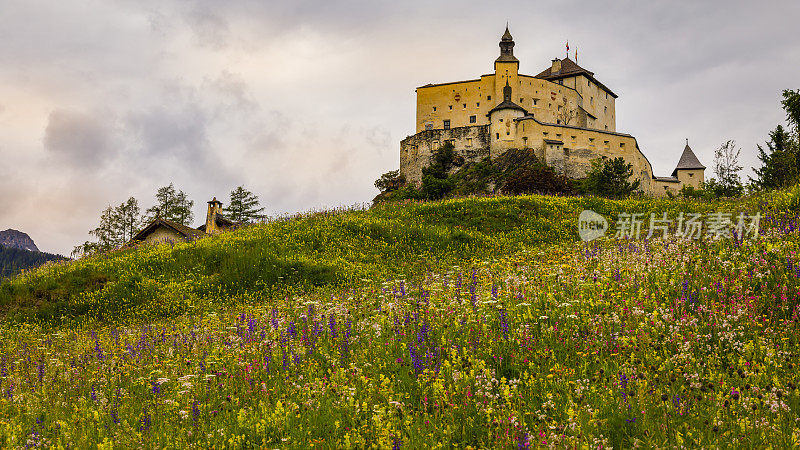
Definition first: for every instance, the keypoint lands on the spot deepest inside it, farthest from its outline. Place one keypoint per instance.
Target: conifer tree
(171, 204)
(244, 206)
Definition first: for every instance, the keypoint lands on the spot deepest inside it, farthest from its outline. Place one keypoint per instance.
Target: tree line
(119, 224)
(14, 260)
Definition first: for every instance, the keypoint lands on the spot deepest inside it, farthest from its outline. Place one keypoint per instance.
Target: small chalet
(163, 230)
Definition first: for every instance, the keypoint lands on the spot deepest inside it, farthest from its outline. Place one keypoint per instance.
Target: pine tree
(609, 178)
(171, 205)
(117, 226)
(128, 219)
(778, 164)
(244, 206)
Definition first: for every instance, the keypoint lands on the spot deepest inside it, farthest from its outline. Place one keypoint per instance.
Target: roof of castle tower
(570, 68)
(508, 104)
(688, 161)
(507, 35)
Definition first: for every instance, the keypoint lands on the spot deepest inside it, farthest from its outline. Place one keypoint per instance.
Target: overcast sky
(305, 102)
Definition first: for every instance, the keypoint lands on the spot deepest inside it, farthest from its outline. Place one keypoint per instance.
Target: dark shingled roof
(570, 68)
(688, 161)
(188, 233)
(507, 104)
(667, 179)
(221, 221)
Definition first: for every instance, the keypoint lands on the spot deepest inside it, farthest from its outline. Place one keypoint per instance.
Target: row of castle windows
(446, 122)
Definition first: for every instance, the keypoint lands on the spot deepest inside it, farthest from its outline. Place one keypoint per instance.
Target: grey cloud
(78, 138)
(305, 102)
(210, 29)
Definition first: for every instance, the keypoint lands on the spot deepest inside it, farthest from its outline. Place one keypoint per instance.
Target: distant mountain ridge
(18, 252)
(17, 239)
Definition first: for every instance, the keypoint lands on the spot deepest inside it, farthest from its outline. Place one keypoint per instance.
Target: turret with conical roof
(689, 170)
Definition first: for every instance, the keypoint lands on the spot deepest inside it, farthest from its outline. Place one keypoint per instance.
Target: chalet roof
(688, 161)
(188, 233)
(221, 222)
(570, 68)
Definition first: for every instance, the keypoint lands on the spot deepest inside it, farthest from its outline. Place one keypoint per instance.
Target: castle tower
(689, 170)
(502, 123)
(506, 66)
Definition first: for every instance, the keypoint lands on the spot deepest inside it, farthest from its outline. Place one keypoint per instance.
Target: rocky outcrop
(17, 239)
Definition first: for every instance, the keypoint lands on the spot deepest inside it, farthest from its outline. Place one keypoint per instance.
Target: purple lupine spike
(332, 325)
(504, 323)
(524, 442)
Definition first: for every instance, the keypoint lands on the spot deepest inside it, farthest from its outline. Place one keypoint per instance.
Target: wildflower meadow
(470, 323)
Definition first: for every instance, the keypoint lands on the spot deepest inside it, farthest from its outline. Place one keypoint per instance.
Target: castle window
(558, 121)
(451, 107)
(525, 141)
(446, 124)
(469, 142)
(561, 81)
(478, 105)
(497, 135)
(621, 145)
(435, 144)
(605, 145)
(558, 135)
(473, 119)
(501, 120)
(535, 101)
(545, 133)
(606, 127)
(521, 100)
(488, 97)
(508, 133)
(434, 109)
(691, 174)
(591, 100)
(465, 106)
(605, 109)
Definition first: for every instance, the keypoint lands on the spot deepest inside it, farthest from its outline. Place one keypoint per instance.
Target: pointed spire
(507, 35)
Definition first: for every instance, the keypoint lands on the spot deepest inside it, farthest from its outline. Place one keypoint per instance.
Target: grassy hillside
(471, 323)
(325, 250)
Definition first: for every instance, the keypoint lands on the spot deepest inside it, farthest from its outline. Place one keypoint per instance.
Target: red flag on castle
(568, 49)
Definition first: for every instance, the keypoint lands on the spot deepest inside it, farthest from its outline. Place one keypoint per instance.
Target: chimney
(556, 66)
(214, 208)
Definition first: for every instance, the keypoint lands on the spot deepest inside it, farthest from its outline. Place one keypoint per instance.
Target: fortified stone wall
(471, 145)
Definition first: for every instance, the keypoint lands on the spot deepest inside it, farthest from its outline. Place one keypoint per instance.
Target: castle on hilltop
(564, 115)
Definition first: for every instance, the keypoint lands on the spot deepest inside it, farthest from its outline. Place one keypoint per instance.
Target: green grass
(320, 251)
(468, 323)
